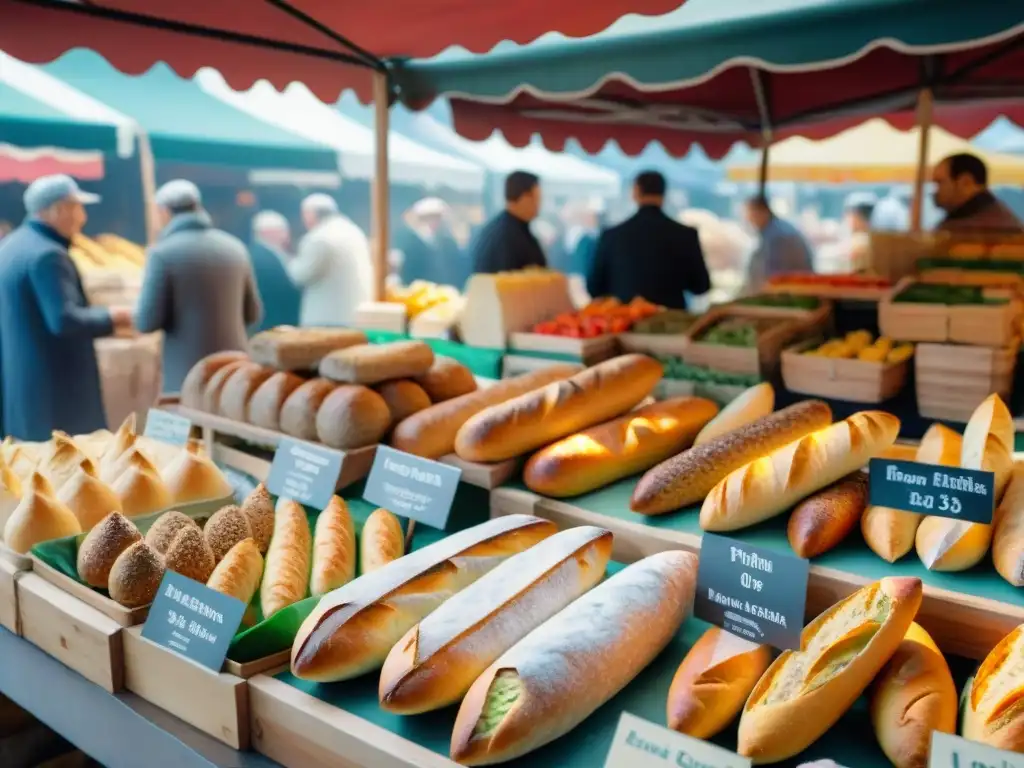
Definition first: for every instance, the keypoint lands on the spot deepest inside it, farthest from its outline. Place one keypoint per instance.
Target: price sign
(756, 593)
(950, 751)
(411, 486)
(167, 427)
(930, 489)
(305, 472)
(640, 744)
(193, 620)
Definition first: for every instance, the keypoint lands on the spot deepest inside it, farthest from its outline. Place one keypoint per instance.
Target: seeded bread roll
(195, 382)
(101, 547)
(88, 497)
(259, 508)
(228, 526)
(162, 532)
(687, 478)
(992, 713)
(299, 412)
(374, 363)
(215, 385)
(38, 517)
(265, 405)
(334, 549)
(447, 379)
(403, 398)
(352, 417)
(190, 555)
(135, 576)
(1008, 541)
(286, 579)
(300, 349)
(381, 541)
(238, 574)
(822, 520)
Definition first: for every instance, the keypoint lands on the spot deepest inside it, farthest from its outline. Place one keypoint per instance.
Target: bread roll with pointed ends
(265, 405)
(438, 659)
(772, 484)
(822, 520)
(238, 574)
(687, 478)
(752, 404)
(115, 461)
(215, 386)
(228, 526)
(190, 555)
(713, 682)
(354, 627)
(533, 420)
(300, 349)
(135, 576)
(992, 713)
(945, 544)
(101, 547)
(286, 579)
(120, 443)
(403, 397)
(380, 542)
(446, 378)
(890, 532)
(194, 386)
(374, 363)
(431, 432)
(194, 477)
(334, 549)
(88, 497)
(259, 508)
(600, 455)
(10, 491)
(1008, 538)
(352, 416)
(548, 683)
(239, 389)
(38, 517)
(162, 532)
(64, 460)
(805, 692)
(298, 414)
(912, 696)
(140, 488)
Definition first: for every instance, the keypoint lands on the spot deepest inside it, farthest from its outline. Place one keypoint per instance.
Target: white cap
(430, 206)
(270, 221)
(178, 194)
(49, 190)
(320, 203)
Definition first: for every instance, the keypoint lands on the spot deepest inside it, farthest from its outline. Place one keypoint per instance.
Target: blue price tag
(305, 472)
(411, 486)
(167, 427)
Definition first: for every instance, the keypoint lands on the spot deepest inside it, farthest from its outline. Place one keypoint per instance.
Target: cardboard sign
(167, 427)
(640, 744)
(411, 486)
(305, 472)
(930, 489)
(756, 593)
(950, 751)
(193, 620)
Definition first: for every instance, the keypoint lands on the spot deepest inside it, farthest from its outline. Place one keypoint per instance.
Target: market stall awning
(1002, 136)
(298, 40)
(872, 153)
(297, 110)
(717, 72)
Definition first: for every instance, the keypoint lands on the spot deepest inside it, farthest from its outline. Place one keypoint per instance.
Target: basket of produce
(810, 309)
(850, 287)
(855, 368)
(940, 312)
(952, 379)
(682, 379)
(728, 341)
(663, 333)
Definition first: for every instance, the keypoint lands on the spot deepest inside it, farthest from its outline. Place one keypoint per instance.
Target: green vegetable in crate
(680, 371)
(781, 300)
(941, 293)
(737, 331)
(668, 321)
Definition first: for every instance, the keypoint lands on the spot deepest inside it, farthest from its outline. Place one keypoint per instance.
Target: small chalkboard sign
(413, 487)
(305, 472)
(931, 489)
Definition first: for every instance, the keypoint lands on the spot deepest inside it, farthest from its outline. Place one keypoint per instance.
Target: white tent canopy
(299, 111)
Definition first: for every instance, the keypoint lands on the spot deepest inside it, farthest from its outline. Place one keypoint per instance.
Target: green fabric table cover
(483, 362)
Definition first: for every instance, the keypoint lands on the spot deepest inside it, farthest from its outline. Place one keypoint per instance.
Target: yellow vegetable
(883, 342)
(857, 340)
(872, 354)
(900, 353)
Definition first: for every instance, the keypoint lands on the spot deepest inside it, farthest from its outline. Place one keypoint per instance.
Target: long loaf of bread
(1008, 539)
(334, 549)
(992, 712)
(354, 627)
(555, 677)
(431, 432)
(618, 448)
(545, 415)
(805, 692)
(689, 477)
(822, 520)
(380, 542)
(438, 659)
(287, 567)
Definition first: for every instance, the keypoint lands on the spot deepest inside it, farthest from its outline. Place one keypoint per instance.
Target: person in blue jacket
(268, 250)
(49, 377)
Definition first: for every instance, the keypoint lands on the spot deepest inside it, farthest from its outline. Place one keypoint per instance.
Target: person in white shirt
(333, 265)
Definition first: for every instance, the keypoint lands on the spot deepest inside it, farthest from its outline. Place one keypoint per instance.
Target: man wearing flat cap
(49, 378)
(198, 287)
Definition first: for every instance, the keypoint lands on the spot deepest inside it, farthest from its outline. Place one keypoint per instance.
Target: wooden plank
(9, 573)
(269, 665)
(19, 561)
(124, 617)
(486, 476)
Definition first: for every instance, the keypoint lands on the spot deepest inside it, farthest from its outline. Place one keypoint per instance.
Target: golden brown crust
(102, 546)
(264, 409)
(140, 488)
(994, 711)
(193, 476)
(190, 555)
(374, 363)
(238, 573)
(239, 388)
(447, 379)
(351, 417)
(135, 576)
(215, 384)
(334, 549)
(381, 541)
(287, 567)
(195, 382)
(38, 517)
(403, 397)
(300, 349)
(88, 497)
(298, 414)
(821, 521)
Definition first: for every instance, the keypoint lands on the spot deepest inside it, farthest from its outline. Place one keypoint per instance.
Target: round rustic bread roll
(190, 555)
(227, 527)
(447, 378)
(102, 546)
(259, 508)
(239, 388)
(136, 575)
(265, 405)
(403, 398)
(299, 412)
(215, 385)
(162, 532)
(195, 382)
(352, 416)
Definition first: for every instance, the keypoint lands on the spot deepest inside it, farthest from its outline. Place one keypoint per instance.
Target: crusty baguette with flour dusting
(994, 708)
(1008, 538)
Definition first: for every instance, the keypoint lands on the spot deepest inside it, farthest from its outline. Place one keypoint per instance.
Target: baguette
(913, 696)
(1008, 539)
(300, 349)
(616, 449)
(264, 409)
(438, 659)
(752, 404)
(555, 677)
(299, 412)
(944, 544)
(334, 549)
(530, 421)
(238, 574)
(687, 478)
(286, 577)
(822, 520)
(239, 389)
(374, 363)
(713, 682)
(381, 541)
(353, 628)
(805, 692)
(198, 377)
(890, 532)
(775, 482)
(431, 432)
(993, 712)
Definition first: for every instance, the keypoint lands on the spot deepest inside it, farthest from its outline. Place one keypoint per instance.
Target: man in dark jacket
(649, 254)
(281, 299)
(506, 243)
(198, 287)
(961, 190)
(49, 377)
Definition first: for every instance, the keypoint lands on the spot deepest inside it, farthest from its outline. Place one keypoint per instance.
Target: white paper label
(950, 751)
(640, 744)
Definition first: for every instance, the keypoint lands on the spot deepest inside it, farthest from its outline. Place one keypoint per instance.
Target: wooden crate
(952, 380)
(516, 365)
(816, 317)
(894, 255)
(9, 573)
(589, 351)
(380, 316)
(111, 609)
(656, 344)
(19, 561)
(858, 381)
(761, 359)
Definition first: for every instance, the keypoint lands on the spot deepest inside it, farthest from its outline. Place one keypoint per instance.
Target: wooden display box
(9, 574)
(894, 255)
(816, 317)
(833, 292)
(517, 365)
(588, 351)
(487, 476)
(858, 381)
(720, 393)
(760, 359)
(18, 561)
(952, 380)
(656, 344)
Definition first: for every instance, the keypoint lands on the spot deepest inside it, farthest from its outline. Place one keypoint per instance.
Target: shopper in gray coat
(198, 287)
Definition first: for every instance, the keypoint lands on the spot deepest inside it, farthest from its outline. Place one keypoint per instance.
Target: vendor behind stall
(506, 242)
(782, 248)
(961, 190)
